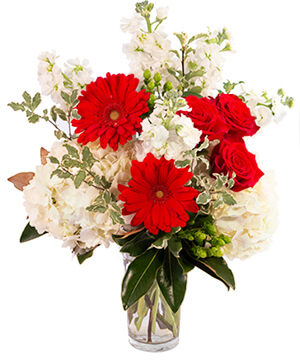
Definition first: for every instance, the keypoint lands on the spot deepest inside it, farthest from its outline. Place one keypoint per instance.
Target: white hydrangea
(56, 206)
(167, 134)
(252, 221)
(52, 80)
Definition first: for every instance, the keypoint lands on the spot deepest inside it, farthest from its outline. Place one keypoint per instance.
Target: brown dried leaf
(132, 232)
(20, 180)
(44, 153)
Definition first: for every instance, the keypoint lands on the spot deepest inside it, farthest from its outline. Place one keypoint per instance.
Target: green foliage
(29, 234)
(140, 276)
(84, 256)
(172, 281)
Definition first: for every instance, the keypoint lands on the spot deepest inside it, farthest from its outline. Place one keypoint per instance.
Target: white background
(54, 310)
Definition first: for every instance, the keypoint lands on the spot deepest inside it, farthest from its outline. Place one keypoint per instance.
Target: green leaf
(194, 74)
(88, 157)
(84, 256)
(16, 106)
(53, 113)
(66, 97)
(138, 244)
(72, 151)
(215, 267)
(175, 245)
(228, 199)
(73, 98)
(61, 114)
(116, 217)
(29, 234)
(182, 163)
(106, 196)
(53, 160)
(203, 198)
(76, 115)
(36, 101)
(186, 265)
(79, 178)
(140, 276)
(27, 99)
(195, 91)
(172, 281)
(33, 118)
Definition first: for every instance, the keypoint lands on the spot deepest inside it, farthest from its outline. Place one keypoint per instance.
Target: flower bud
(147, 74)
(157, 77)
(168, 86)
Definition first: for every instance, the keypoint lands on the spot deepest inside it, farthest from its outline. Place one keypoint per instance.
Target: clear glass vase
(152, 325)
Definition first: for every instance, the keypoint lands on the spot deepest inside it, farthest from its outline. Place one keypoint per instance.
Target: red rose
(236, 115)
(233, 156)
(206, 117)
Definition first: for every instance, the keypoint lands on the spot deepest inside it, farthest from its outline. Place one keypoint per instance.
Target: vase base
(154, 347)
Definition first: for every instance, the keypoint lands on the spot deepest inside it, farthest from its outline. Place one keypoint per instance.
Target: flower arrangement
(155, 161)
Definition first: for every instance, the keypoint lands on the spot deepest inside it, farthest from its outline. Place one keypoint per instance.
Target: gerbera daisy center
(114, 115)
(159, 194)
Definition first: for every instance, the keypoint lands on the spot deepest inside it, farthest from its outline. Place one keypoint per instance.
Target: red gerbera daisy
(110, 108)
(157, 195)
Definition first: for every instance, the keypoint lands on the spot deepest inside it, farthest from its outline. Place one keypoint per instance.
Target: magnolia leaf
(175, 245)
(43, 154)
(172, 281)
(29, 234)
(140, 276)
(20, 180)
(82, 257)
(132, 232)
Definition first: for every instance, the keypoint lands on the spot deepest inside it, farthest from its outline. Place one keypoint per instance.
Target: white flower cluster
(53, 79)
(207, 56)
(166, 133)
(56, 206)
(252, 221)
(147, 50)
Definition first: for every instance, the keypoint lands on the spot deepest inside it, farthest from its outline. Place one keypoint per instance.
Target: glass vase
(152, 325)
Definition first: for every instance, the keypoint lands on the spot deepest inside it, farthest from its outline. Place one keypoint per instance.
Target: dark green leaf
(138, 244)
(215, 267)
(84, 256)
(175, 246)
(29, 234)
(186, 265)
(172, 281)
(140, 276)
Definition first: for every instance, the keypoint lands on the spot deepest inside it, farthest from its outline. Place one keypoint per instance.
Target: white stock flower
(131, 25)
(149, 51)
(52, 78)
(162, 12)
(79, 72)
(263, 115)
(252, 221)
(56, 206)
